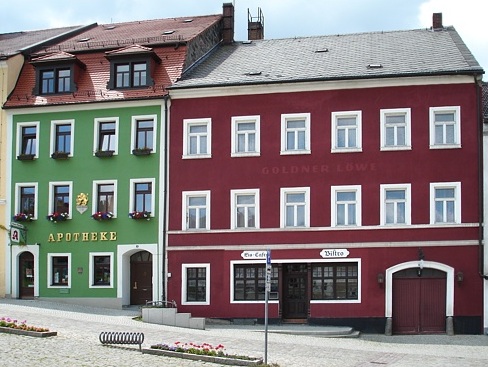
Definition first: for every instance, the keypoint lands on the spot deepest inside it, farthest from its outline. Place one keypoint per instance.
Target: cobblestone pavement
(78, 329)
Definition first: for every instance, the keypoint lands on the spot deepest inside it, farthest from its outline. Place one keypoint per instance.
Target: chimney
(437, 21)
(255, 26)
(228, 23)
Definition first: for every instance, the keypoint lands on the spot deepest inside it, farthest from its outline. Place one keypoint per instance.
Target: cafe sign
(254, 255)
(329, 253)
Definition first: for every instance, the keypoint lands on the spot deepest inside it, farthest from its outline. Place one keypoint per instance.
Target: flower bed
(10, 326)
(204, 352)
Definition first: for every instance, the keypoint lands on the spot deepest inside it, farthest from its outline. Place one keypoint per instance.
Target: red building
(354, 159)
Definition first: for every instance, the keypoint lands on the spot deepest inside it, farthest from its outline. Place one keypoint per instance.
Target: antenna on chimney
(255, 26)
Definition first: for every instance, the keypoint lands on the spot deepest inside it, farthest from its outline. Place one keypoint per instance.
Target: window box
(142, 151)
(26, 157)
(103, 215)
(104, 153)
(22, 217)
(60, 155)
(140, 215)
(57, 217)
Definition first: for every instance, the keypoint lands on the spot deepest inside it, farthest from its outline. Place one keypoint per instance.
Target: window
(25, 202)
(59, 270)
(62, 136)
(244, 209)
(27, 134)
(105, 195)
(196, 210)
(55, 80)
(295, 210)
(143, 133)
(445, 203)
(60, 197)
(245, 136)
(101, 270)
(131, 75)
(295, 133)
(346, 206)
(249, 281)
(197, 138)
(141, 195)
(106, 133)
(395, 207)
(196, 284)
(395, 129)
(346, 131)
(335, 281)
(445, 127)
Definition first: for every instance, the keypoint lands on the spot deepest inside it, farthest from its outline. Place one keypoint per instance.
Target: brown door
(140, 278)
(295, 294)
(26, 275)
(419, 302)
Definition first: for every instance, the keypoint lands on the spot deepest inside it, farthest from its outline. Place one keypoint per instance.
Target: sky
(282, 18)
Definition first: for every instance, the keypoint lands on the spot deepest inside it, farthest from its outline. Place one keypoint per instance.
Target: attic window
(248, 42)
(321, 50)
(188, 21)
(375, 66)
(109, 27)
(168, 32)
(84, 39)
(252, 73)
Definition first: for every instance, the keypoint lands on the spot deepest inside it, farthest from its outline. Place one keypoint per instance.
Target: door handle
(144, 289)
(135, 285)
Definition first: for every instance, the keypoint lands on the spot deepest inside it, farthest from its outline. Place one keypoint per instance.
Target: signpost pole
(266, 299)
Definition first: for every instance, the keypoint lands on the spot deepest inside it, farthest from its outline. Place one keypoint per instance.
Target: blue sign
(268, 257)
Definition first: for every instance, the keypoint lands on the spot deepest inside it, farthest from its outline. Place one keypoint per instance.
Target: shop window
(59, 270)
(335, 281)
(196, 284)
(249, 282)
(101, 270)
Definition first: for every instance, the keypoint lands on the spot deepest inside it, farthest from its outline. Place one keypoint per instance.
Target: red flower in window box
(57, 217)
(103, 215)
(140, 215)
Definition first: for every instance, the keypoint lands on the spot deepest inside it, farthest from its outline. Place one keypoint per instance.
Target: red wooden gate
(419, 303)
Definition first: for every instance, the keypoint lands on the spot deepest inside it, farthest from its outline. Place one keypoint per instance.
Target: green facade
(81, 235)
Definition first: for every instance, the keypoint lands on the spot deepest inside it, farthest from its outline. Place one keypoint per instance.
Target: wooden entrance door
(26, 275)
(295, 292)
(140, 278)
(419, 303)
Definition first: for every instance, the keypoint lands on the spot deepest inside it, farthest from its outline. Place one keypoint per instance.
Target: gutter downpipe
(480, 180)
(165, 195)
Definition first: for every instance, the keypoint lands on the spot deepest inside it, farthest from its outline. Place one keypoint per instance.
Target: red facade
(379, 250)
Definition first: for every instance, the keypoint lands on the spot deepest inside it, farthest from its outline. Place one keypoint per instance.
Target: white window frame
(55, 123)
(408, 127)
(291, 117)
(184, 267)
(50, 257)
(91, 270)
(457, 201)
(408, 203)
(52, 184)
(95, 196)
(185, 197)
(132, 200)
(20, 185)
(186, 130)
(233, 207)
(345, 114)
(96, 132)
(333, 213)
(20, 125)
(294, 190)
(235, 121)
(134, 120)
(457, 127)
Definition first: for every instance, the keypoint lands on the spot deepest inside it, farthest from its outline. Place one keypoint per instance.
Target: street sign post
(266, 299)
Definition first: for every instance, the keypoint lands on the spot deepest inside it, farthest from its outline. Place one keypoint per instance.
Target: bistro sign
(334, 253)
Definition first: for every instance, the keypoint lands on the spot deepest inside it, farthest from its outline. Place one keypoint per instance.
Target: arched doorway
(141, 278)
(419, 301)
(26, 275)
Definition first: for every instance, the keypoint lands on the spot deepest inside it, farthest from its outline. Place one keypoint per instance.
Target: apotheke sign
(342, 252)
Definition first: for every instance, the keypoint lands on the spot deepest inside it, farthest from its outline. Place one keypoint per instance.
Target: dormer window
(132, 67)
(56, 73)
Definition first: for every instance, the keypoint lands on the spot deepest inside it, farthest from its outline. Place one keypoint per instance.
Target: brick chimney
(228, 23)
(437, 21)
(255, 26)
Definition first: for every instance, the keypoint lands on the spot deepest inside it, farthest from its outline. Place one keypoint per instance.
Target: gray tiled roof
(400, 53)
(13, 43)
